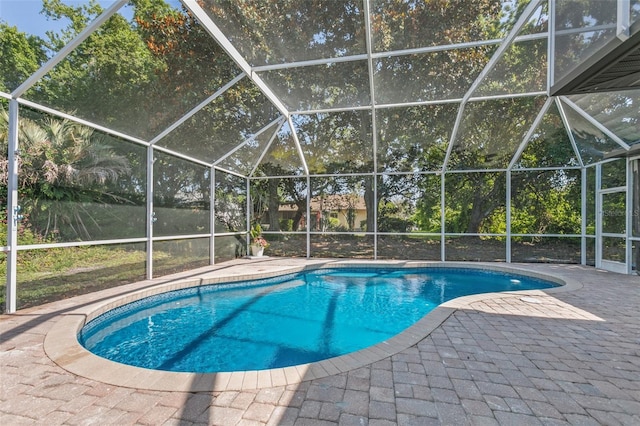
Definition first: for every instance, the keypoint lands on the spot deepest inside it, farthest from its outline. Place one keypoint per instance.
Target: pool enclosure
(144, 137)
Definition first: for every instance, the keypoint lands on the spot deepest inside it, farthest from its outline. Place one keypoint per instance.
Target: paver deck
(567, 357)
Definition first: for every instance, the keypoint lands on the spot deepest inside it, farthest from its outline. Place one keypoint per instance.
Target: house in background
(329, 213)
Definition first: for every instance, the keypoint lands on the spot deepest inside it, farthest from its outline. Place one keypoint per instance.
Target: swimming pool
(293, 319)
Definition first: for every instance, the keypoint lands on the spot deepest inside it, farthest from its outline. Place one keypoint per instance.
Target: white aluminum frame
(600, 192)
(223, 41)
(629, 219)
(68, 48)
(15, 101)
(12, 208)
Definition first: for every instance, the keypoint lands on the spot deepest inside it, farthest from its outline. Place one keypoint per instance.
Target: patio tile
(381, 394)
(329, 411)
(355, 402)
(517, 419)
(243, 400)
(258, 412)
(476, 408)
(416, 407)
(382, 410)
(352, 420)
(158, 415)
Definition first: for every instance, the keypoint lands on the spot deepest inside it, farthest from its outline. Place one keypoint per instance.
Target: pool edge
(62, 347)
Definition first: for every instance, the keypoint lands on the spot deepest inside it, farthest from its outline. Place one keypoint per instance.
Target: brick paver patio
(542, 359)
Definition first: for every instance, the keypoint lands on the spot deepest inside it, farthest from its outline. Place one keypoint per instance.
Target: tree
(267, 32)
(412, 140)
(60, 163)
(294, 192)
(231, 203)
(575, 46)
(20, 56)
(112, 65)
(193, 67)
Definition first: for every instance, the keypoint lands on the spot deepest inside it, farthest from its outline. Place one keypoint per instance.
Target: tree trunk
(274, 205)
(476, 215)
(296, 220)
(484, 201)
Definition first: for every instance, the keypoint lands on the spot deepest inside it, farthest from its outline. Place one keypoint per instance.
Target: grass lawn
(55, 274)
(49, 275)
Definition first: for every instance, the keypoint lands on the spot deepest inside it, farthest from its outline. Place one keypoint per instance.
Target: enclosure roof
(311, 87)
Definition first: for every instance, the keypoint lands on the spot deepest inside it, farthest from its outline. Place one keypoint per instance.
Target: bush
(25, 234)
(286, 225)
(394, 224)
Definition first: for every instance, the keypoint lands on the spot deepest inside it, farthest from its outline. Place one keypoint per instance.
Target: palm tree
(62, 167)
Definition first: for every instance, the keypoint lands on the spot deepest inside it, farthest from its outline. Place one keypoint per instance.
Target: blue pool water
(283, 321)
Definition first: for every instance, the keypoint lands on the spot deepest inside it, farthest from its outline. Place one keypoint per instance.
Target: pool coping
(62, 347)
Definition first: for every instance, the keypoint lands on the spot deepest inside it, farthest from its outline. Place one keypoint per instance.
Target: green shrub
(286, 225)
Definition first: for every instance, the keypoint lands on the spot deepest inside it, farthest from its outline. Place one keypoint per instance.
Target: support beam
(266, 148)
(108, 131)
(551, 46)
(506, 43)
(68, 48)
(532, 129)
(279, 120)
(225, 43)
(212, 215)
(567, 128)
(248, 215)
(452, 138)
(598, 169)
(629, 219)
(13, 209)
(583, 214)
(374, 131)
(308, 217)
(305, 167)
(151, 216)
(193, 111)
(595, 122)
(443, 224)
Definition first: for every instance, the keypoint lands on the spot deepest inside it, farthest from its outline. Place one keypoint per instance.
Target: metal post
(13, 209)
(598, 218)
(442, 219)
(583, 214)
(151, 216)
(212, 216)
(551, 46)
(249, 212)
(308, 216)
(508, 217)
(375, 214)
(374, 131)
(629, 221)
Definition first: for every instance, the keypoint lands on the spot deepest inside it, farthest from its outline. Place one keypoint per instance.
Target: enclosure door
(611, 238)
